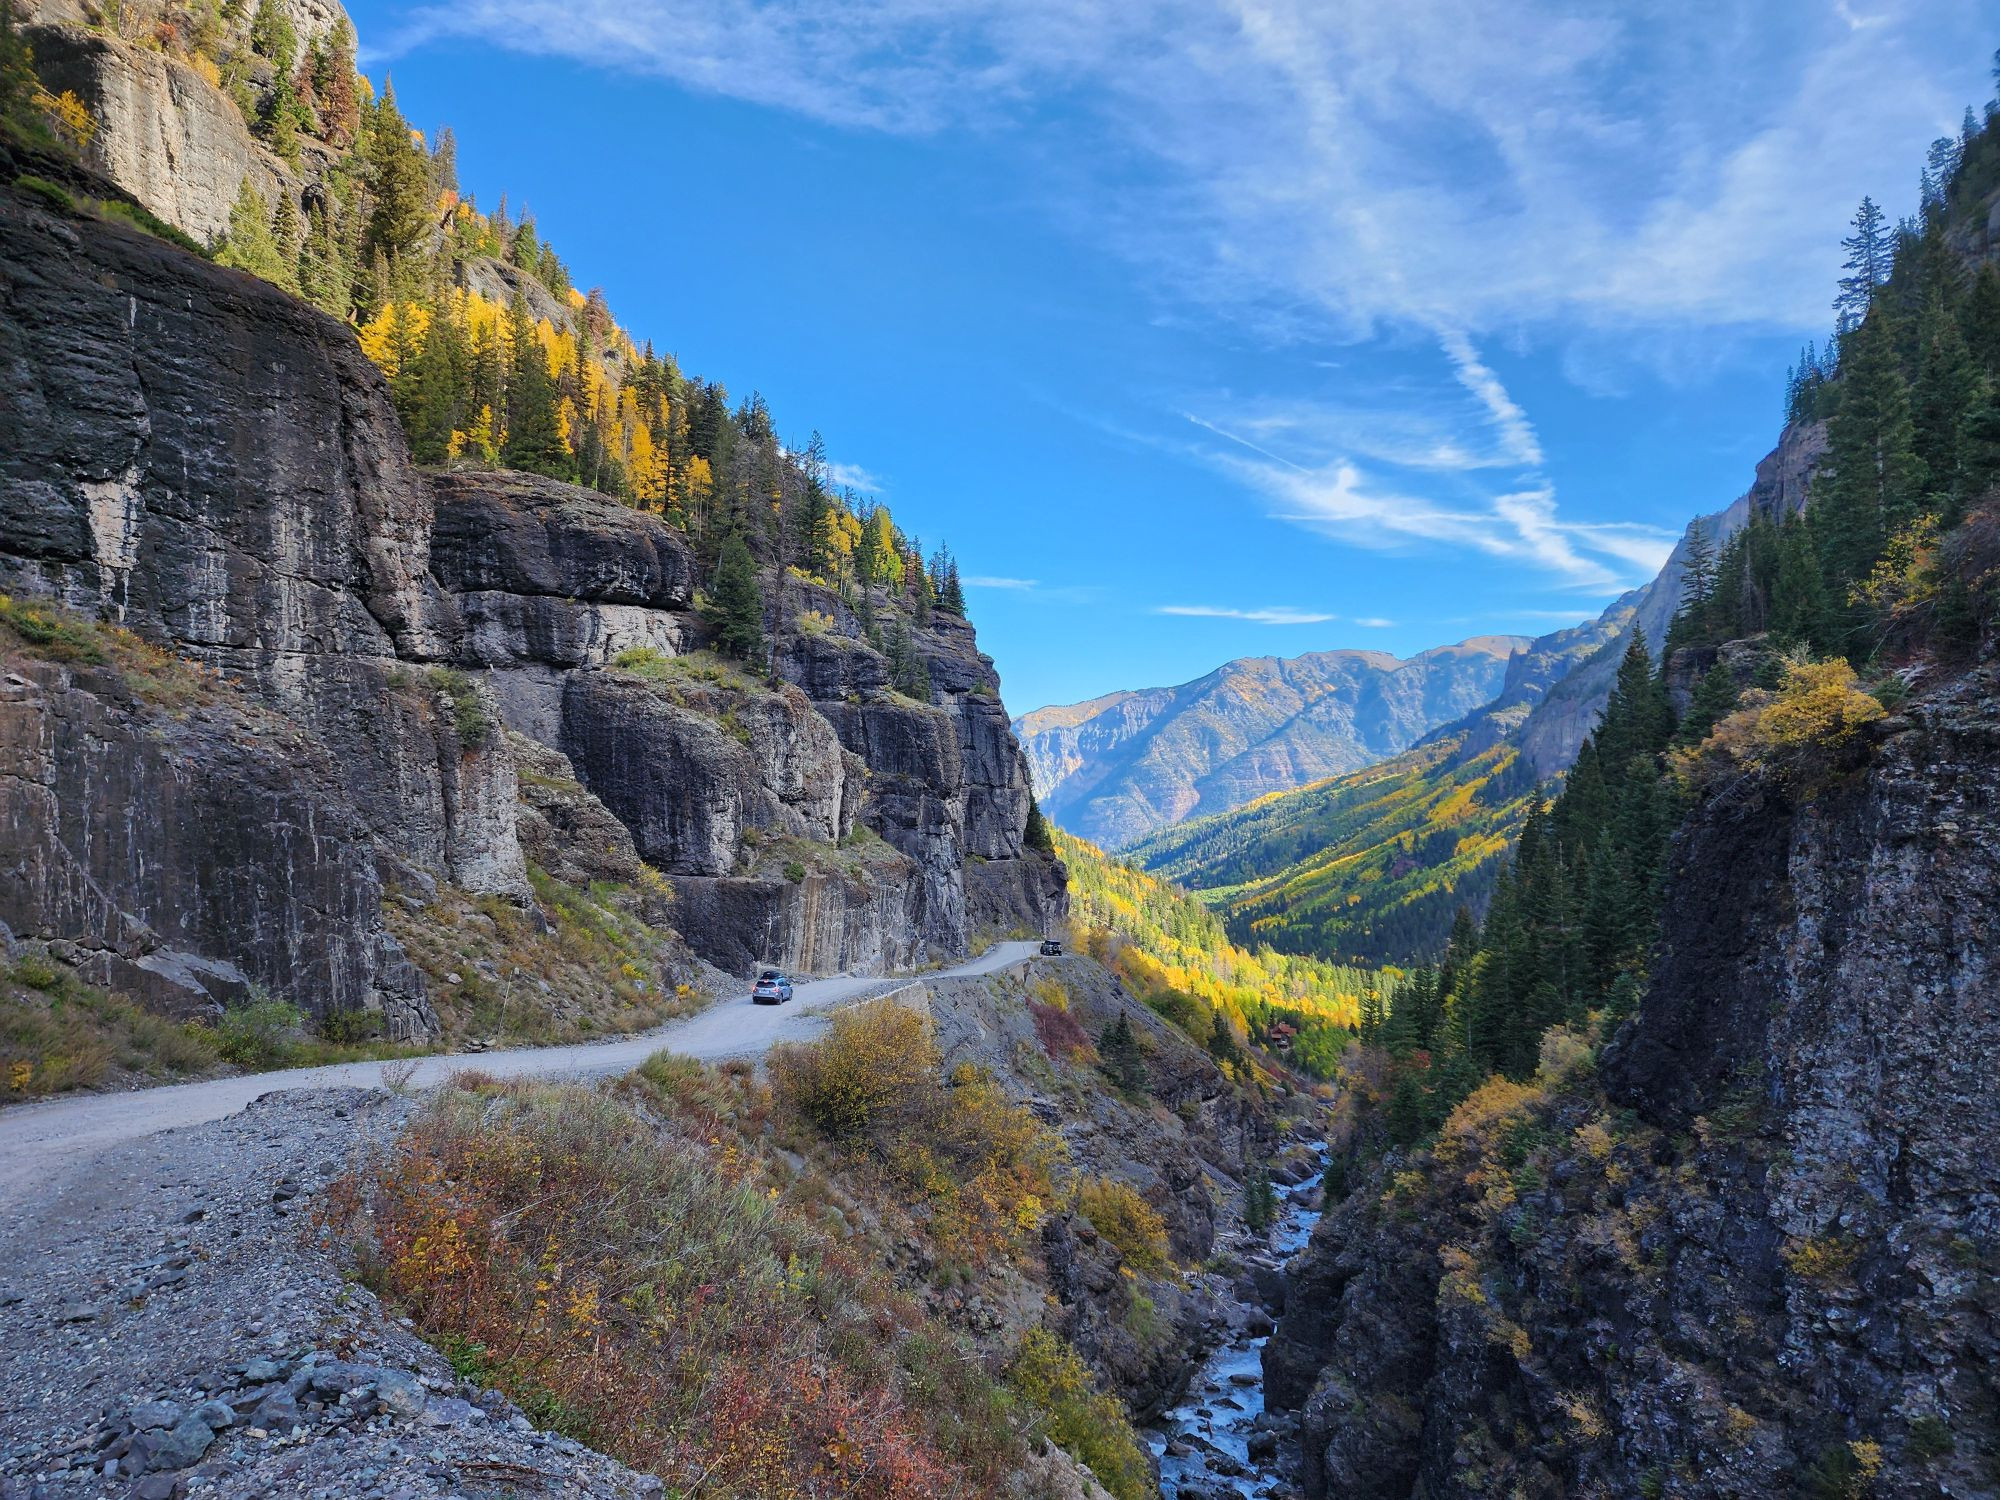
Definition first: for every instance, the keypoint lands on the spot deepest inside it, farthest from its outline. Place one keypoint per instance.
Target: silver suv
(771, 988)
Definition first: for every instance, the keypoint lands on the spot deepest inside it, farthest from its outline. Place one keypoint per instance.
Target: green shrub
(1930, 1437)
(1846, 1471)
(258, 1032)
(468, 714)
(37, 971)
(145, 220)
(57, 1033)
(346, 1027)
(794, 871)
(646, 661)
(50, 633)
(1083, 1421)
(1131, 1224)
(51, 193)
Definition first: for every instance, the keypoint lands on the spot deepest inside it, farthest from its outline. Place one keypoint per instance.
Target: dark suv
(771, 988)
(1051, 947)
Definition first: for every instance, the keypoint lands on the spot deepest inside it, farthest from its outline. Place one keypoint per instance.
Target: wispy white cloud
(1477, 168)
(1606, 175)
(1516, 432)
(985, 581)
(853, 477)
(1274, 614)
(1375, 622)
(1522, 526)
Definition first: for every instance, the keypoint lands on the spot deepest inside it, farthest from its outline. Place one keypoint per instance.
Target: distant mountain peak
(1125, 764)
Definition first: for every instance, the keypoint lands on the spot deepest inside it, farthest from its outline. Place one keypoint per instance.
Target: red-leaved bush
(635, 1288)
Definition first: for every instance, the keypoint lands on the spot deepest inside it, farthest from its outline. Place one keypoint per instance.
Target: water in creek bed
(1203, 1445)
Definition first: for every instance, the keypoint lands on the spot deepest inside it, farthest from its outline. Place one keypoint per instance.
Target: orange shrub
(982, 1165)
(867, 1066)
(627, 1289)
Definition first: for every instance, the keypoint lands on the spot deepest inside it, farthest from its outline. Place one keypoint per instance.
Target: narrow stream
(1205, 1445)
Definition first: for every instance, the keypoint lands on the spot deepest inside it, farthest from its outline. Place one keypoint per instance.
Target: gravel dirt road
(38, 1141)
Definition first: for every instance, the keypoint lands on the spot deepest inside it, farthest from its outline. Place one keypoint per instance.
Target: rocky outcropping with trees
(198, 462)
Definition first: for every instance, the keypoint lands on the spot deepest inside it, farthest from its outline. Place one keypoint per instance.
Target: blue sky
(1211, 328)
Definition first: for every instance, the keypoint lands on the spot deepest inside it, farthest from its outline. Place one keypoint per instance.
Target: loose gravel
(174, 1329)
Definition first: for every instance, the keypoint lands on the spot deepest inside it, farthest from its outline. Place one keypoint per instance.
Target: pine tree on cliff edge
(735, 603)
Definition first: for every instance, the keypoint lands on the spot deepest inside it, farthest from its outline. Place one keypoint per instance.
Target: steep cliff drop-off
(191, 455)
(1751, 1251)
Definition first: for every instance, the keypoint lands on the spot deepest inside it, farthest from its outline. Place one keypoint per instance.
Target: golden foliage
(1479, 1117)
(68, 115)
(1802, 732)
(1131, 1224)
(983, 1167)
(873, 1060)
(1164, 940)
(1822, 1258)
(1080, 1419)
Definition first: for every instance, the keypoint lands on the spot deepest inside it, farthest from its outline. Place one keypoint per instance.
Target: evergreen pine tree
(1121, 1057)
(907, 672)
(399, 182)
(1714, 697)
(736, 603)
(1698, 566)
(1867, 266)
(1979, 320)
(439, 379)
(1038, 835)
(249, 244)
(1260, 1202)
(324, 279)
(285, 238)
(1947, 386)
(1799, 610)
(1979, 445)
(534, 432)
(1872, 479)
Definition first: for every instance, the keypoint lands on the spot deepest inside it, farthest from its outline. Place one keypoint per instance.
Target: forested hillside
(1172, 951)
(1763, 654)
(494, 355)
(1370, 868)
(1685, 1074)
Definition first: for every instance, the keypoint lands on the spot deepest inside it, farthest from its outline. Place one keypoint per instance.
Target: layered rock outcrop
(1752, 1253)
(192, 455)
(163, 133)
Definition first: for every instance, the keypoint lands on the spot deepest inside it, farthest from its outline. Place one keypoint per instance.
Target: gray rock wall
(1755, 1253)
(163, 134)
(191, 454)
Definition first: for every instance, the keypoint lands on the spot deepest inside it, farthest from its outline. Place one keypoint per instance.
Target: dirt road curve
(36, 1140)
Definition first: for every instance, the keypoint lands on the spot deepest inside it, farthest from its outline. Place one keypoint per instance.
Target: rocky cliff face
(1757, 1255)
(1115, 769)
(191, 455)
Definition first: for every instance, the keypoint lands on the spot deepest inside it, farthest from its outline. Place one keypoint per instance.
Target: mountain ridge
(1116, 767)
(1372, 866)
